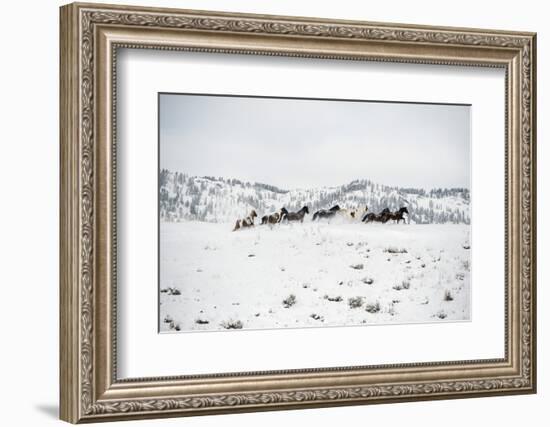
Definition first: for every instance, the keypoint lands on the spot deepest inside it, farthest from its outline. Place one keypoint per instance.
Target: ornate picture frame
(90, 37)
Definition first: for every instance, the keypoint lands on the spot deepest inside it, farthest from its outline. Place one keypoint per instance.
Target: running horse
(246, 222)
(324, 213)
(398, 215)
(382, 217)
(274, 218)
(295, 216)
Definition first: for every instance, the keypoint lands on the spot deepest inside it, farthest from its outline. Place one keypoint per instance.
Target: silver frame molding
(90, 37)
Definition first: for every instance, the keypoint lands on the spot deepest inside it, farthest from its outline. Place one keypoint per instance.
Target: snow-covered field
(311, 275)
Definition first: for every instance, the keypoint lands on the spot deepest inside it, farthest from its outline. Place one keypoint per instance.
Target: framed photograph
(283, 234)
(266, 212)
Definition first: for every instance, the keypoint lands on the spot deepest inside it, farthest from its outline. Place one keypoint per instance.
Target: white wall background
(29, 171)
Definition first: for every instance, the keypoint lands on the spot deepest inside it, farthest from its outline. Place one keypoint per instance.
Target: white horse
(351, 214)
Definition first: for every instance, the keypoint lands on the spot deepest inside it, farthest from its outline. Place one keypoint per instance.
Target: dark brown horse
(295, 216)
(246, 222)
(382, 217)
(398, 215)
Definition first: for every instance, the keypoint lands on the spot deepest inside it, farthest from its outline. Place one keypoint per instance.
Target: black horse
(398, 215)
(295, 216)
(382, 217)
(324, 213)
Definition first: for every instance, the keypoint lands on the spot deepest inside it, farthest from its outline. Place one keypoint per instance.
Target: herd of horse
(283, 215)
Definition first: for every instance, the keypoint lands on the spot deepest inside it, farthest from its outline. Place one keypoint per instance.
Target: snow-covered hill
(210, 199)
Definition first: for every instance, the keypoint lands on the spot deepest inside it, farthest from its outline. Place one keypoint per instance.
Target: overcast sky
(294, 143)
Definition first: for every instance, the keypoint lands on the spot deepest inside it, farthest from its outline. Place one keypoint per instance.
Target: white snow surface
(211, 277)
